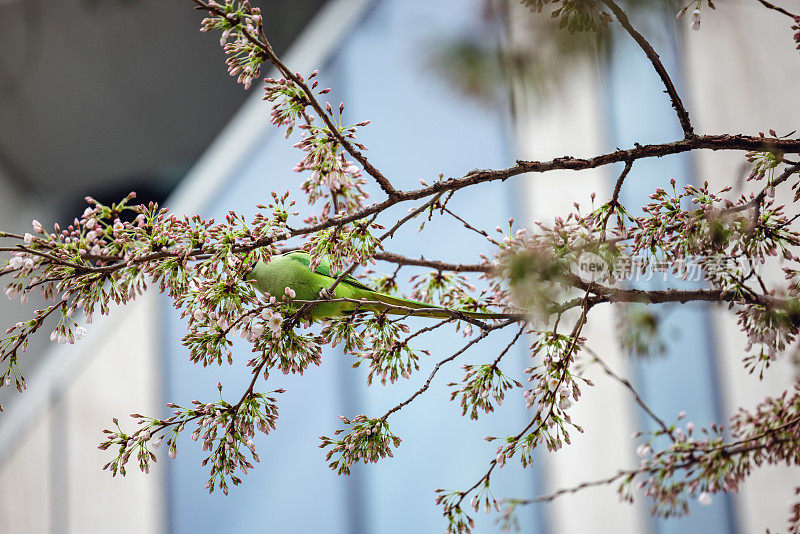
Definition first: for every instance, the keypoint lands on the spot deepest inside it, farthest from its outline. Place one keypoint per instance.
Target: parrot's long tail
(428, 310)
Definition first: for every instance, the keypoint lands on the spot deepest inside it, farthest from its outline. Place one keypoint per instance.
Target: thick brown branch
(433, 264)
(602, 294)
(598, 293)
(708, 142)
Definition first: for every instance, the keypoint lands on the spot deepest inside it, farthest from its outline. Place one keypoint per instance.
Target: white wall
(52, 472)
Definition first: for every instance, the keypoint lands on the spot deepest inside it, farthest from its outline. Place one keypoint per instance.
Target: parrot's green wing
(293, 271)
(324, 268)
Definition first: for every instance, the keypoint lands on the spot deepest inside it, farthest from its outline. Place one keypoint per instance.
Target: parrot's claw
(325, 294)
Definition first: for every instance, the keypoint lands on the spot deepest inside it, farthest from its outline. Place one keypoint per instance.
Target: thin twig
(730, 449)
(450, 358)
(625, 382)
(777, 8)
(468, 226)
(614, 202)
(576, 331)
(508, 347)
(574, 489)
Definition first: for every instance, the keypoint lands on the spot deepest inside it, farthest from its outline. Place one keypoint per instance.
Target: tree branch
(777, 8)
(627, 384)
(450, 358)
(264, 45)
(677, 103)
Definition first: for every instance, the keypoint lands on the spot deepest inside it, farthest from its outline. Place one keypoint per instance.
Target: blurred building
(373, 53)
(104, 97)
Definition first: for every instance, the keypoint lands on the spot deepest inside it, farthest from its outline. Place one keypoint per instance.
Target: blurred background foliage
(484, 67)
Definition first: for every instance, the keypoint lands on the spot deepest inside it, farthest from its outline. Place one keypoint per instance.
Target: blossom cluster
(226, 432)
(332, 176)
(345, 244)
(239, 24)
(697, 465)
(289, 101)
(555, 389)
(331, 173)
(482, 386)
(388, 357)
(367, 440)
(574, 15)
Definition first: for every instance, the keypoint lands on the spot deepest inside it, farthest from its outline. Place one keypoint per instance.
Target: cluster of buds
(290, 352)
(344, 245)
(481, 386)
(65, 334)
(556, 389)
(289, 100)
(448, 289)
(332, 175)
(574, 15)
(670, 478)
(458, 522)
(218, 308)
(240, 24)
(225, 431)
(271, 221)
(764, 163)
(368, 440)
(13, 375)
(696, 467)
(555, 385)
(389, 357)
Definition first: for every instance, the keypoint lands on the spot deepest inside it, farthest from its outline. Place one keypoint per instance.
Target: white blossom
(274, 323)
(696, 19)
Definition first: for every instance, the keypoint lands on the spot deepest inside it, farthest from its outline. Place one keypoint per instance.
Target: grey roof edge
(311, 49)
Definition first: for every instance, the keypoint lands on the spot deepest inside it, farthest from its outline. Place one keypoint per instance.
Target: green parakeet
(292, 270)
